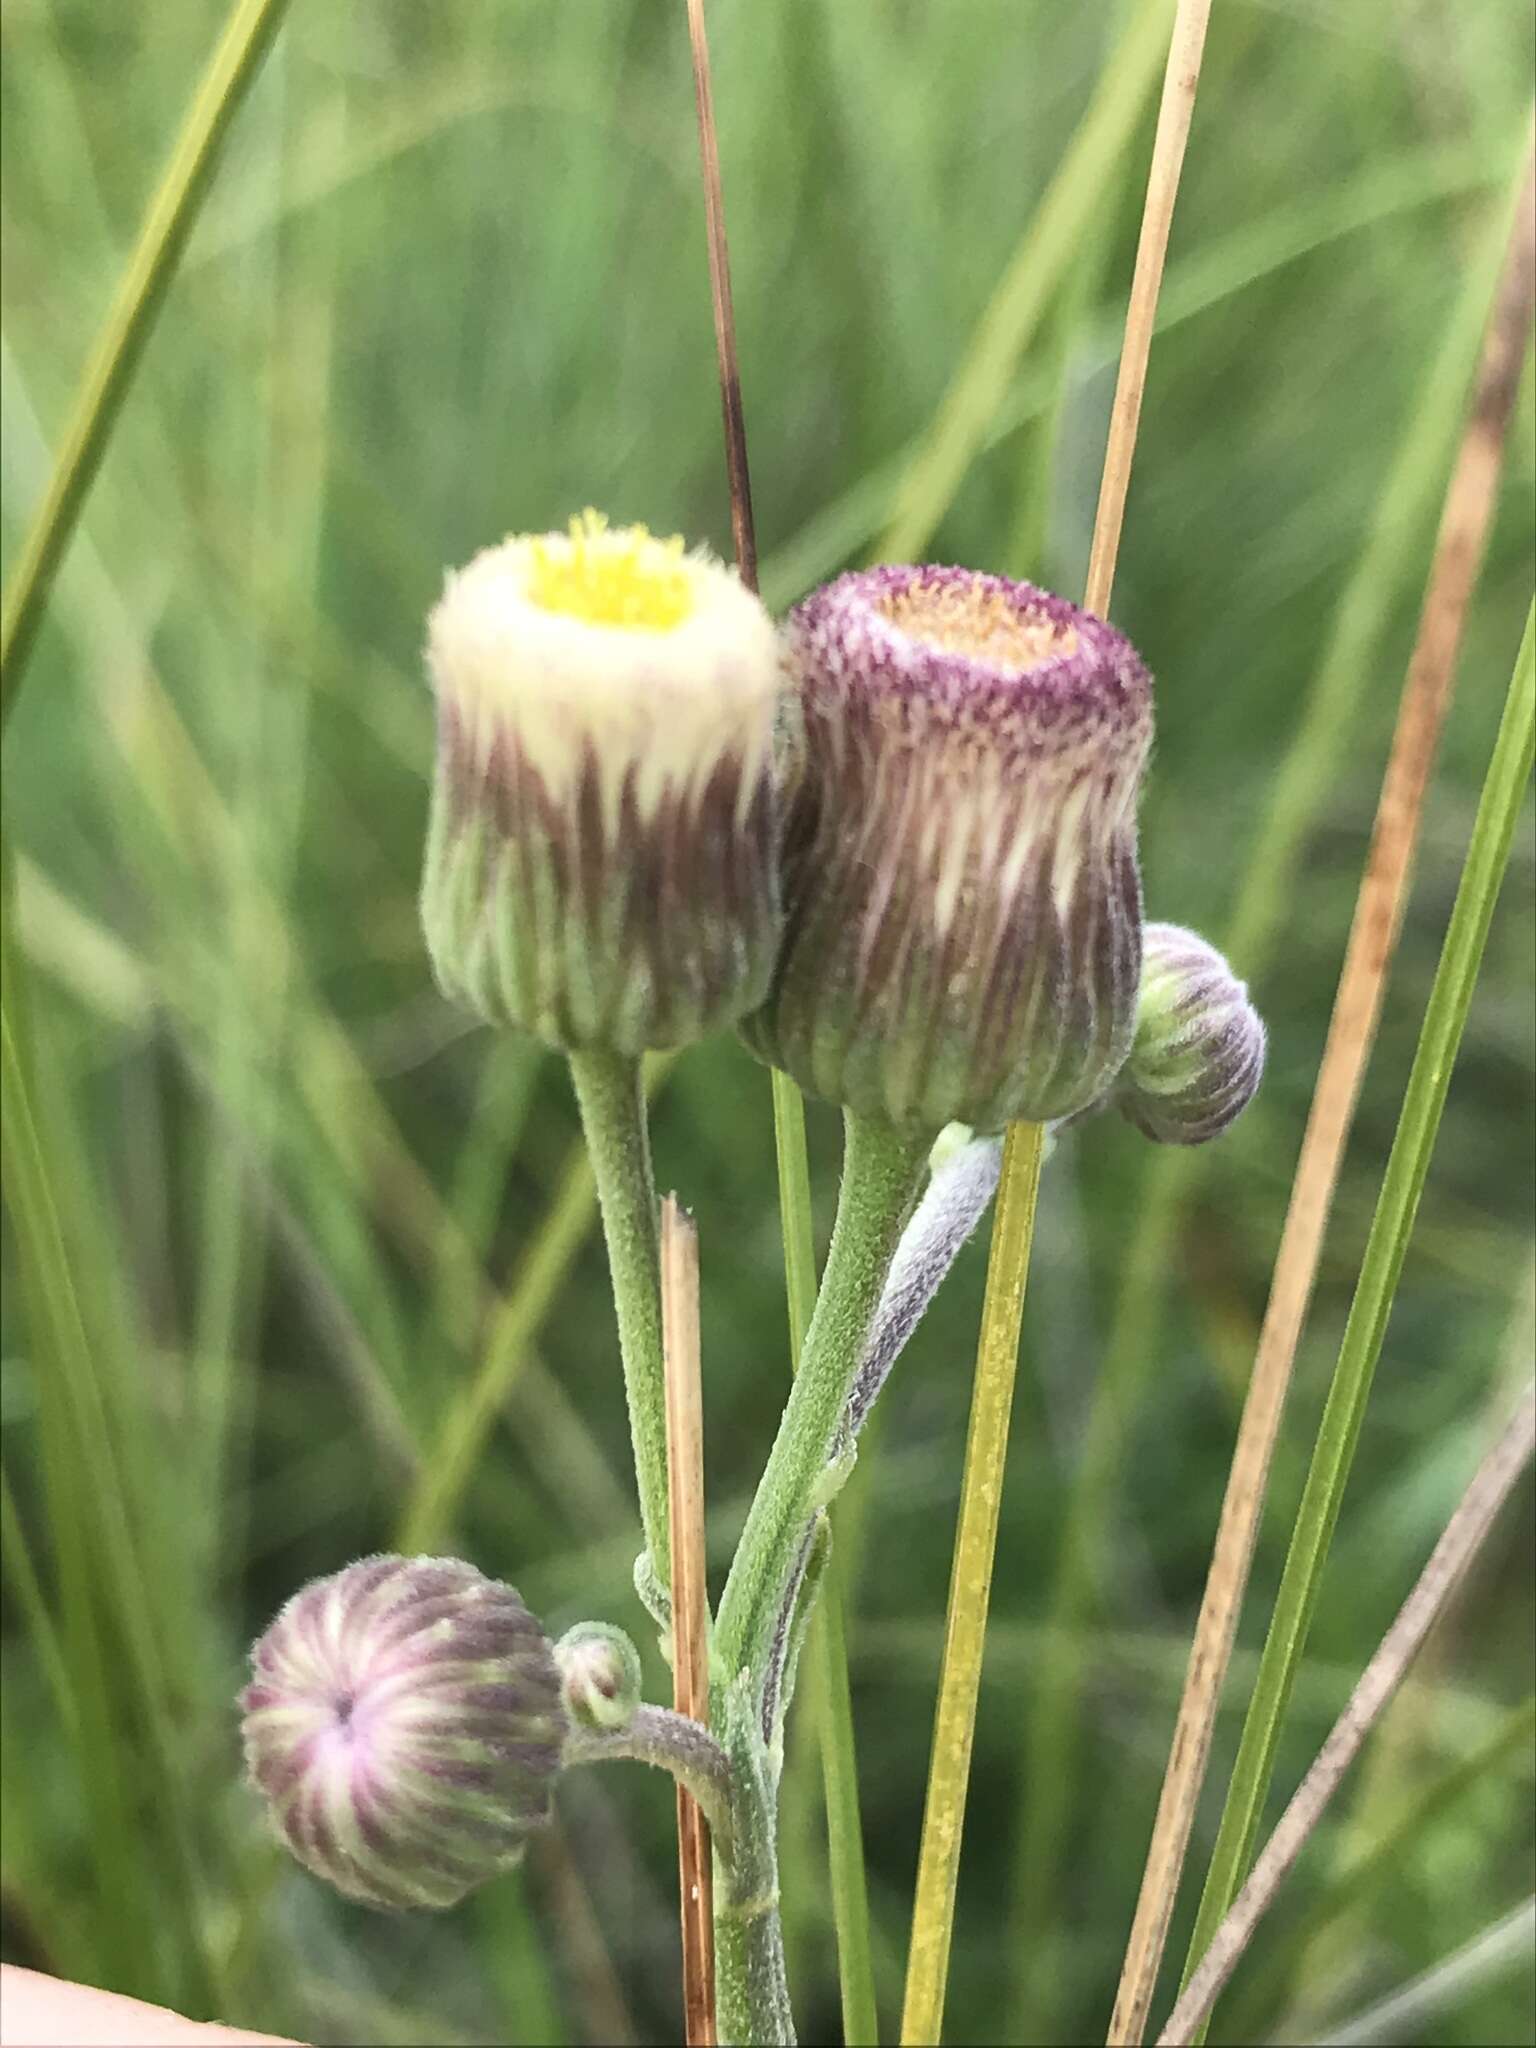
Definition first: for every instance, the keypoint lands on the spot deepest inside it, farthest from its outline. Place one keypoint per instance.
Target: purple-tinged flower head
(600, 1676)
(403, 1724)
(600, 864)
(1198, 1054)
(963, 934)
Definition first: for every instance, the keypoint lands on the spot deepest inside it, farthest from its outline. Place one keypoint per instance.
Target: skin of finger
(42, 2012)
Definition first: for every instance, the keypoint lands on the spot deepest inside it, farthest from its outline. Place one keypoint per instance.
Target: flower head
(599, 864)
(403, 1723)
(1198, 1054)
(963, 935)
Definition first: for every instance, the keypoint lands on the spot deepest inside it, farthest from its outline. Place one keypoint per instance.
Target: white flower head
(601, 863)
(606, 641)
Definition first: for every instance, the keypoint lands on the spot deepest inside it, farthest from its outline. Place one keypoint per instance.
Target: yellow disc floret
(612, 576)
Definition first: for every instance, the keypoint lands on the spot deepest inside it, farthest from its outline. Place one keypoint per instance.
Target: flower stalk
(612, 1100)
(882, 1168)
(668, 1741)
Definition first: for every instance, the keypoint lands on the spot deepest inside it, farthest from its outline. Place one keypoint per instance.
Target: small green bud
(1198, 1054)
(600, 865)
(963, 909)
(403, 1724)
(600, 1676)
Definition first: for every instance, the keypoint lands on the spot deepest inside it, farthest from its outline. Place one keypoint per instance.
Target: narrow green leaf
(246, 38)
(1386, 1249)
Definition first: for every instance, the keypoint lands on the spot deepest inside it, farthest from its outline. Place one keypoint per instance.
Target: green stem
(845, 1829)
(751, 1989)
(247, 35)
(1391, 1227)
(881, 1171)
(668, 1742)
(970, 1586)
(751, 1985)
(609, 1090)
(829, 1655)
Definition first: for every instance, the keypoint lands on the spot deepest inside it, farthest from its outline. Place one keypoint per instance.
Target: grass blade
(1469, 505)
(1465, 1534)
(1386, 1248)
(1266, 901)
(245, 41)
(981, 1488)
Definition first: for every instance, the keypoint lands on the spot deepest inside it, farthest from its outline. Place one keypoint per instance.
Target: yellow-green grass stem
(248, 34)
(1386, 1248)
(965, 1627)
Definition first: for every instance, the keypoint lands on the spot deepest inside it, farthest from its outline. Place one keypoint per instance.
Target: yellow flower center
(619, 576)
(973, 620)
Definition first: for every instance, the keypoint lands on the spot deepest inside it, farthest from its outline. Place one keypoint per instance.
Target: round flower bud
(1199, 1049)
(600, 859)
(963, 934)
(600, 1676)
(403, 1724)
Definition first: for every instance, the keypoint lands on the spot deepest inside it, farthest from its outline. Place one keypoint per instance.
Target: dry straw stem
(247, 36)
(1174, 116)
(1469, 504)
(690, 1599)
(1003, 1306)
(1464, 1535)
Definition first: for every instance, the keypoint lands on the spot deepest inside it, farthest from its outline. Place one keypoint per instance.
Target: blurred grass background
(275, 1208)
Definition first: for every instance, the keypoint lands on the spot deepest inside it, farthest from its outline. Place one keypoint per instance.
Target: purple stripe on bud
(405, 1728)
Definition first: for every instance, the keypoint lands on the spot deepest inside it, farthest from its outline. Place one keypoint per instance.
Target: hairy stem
(670, 1742)
(751, 1988)
(751, 1984)
(881, 1170)
(608, 1088)
(954, 1202)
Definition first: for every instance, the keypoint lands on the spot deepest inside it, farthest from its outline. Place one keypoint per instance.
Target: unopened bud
(1198, 1054)
(600, 1676)
(403, 1724)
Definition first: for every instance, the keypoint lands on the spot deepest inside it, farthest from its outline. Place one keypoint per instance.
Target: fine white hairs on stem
(961, 1184)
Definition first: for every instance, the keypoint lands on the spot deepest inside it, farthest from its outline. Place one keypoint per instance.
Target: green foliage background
(451, 282)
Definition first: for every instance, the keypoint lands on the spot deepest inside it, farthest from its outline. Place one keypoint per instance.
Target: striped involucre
(963, 936)
(1198, 1054)
(403, 1724)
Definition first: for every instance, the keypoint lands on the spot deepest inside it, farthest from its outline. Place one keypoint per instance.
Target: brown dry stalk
(690, 1599)
(1464, 1535)
(742, 532)
(1174, 114)
(1464, 522)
